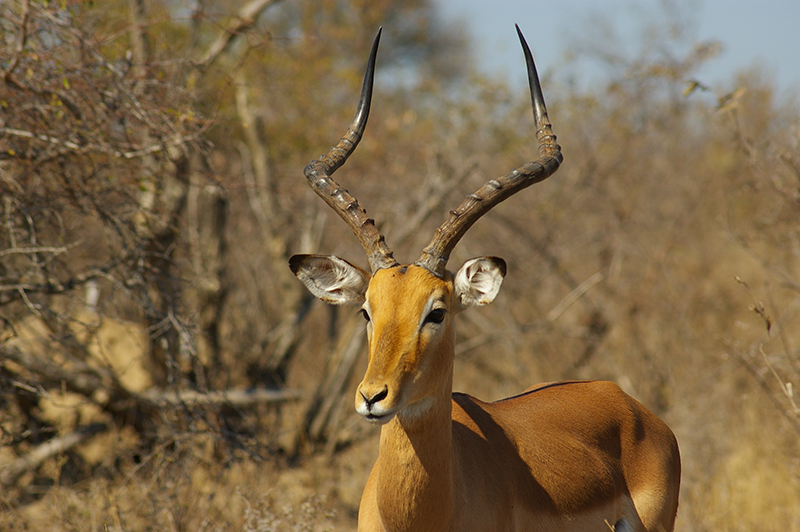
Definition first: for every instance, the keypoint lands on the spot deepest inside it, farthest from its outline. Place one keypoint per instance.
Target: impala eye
(435, 316)
(364, 314)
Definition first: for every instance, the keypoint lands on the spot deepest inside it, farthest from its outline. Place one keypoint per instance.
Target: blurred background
(160, 366)
(580, 31)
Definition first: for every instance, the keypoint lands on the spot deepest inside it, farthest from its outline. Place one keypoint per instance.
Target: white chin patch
(379, 420)
(418, 409)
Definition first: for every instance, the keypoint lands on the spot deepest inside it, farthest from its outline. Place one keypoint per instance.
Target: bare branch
(245, 19)
(573, 296)
(44, 138)
(233, 397)
(95, 383)
(321, 414)
(21, 40)
(431, 198)
(35, 249)
(176, 141)
(786, 386)
(32, 460)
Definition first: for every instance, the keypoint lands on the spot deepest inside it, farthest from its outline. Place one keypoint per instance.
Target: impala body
(576, 455)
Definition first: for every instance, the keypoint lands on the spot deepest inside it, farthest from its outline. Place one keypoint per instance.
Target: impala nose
(371, 396)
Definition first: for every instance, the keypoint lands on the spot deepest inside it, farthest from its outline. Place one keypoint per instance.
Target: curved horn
(434, 257)
(319, 173)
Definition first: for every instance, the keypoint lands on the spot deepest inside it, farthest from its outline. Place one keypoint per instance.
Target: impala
(576, 455)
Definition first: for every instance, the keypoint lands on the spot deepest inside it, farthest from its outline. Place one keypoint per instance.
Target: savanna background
(160, 367)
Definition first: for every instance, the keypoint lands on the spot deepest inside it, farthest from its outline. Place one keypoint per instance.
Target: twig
(23, 37)
(176, 141)
(322, 411)
(786, 387)
(28, 302)
(573, 296)
(34, 249)
(245, 19)
(431, 198)
(233, 397)
(32, 460)
(79, 377)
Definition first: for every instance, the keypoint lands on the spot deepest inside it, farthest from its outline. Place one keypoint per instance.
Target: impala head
(410, 308)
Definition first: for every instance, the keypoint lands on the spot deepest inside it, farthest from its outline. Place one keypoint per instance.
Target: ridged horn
(319, 172)
(435, 256)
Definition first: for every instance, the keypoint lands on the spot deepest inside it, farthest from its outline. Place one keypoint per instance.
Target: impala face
(409, 315)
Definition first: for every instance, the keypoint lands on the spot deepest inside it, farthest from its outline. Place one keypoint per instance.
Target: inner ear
(330, 278)
(478, 281)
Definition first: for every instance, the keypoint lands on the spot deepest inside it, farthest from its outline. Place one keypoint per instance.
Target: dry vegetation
(160, 368)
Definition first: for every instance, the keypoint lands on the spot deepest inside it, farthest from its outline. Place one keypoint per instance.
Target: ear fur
(330, 278)
(478, 281)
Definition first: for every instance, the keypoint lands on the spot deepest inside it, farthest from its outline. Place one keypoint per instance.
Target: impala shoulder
(464, 404)
(471, 413)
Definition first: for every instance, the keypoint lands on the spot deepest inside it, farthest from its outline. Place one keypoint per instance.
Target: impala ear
(330, 278)
(478, 281)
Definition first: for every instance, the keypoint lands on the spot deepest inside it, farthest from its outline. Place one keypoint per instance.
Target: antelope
(574, 455)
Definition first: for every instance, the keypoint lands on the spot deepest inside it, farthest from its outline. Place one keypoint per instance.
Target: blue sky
(764, 33)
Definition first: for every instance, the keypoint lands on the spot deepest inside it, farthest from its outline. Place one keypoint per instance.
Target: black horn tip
(362, 114)
(374, 51)
(537, 98)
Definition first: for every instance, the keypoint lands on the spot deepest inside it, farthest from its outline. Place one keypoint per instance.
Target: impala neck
(415, 490)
